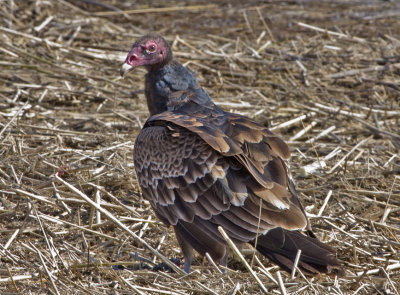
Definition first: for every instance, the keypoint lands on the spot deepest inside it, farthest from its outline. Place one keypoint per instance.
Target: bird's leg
(187, 252)
(224, 261)
(188, 255)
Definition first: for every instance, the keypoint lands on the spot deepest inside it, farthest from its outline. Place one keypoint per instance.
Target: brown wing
(198, 177)
(257, 149)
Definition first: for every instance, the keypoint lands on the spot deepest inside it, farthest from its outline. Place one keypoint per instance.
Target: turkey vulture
(201, 167)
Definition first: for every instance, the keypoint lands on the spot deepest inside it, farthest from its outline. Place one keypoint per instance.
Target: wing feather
(192, 175)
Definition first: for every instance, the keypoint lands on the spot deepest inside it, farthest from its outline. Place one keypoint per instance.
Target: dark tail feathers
(281, 246)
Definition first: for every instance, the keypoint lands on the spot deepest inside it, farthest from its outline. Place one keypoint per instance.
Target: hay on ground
(325, 75)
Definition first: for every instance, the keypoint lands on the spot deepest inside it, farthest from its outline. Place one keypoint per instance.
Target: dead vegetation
(323, 74)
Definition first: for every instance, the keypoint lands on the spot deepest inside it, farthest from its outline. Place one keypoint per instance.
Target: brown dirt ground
(332, 66)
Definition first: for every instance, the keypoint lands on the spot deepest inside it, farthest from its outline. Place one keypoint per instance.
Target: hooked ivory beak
(125, 68)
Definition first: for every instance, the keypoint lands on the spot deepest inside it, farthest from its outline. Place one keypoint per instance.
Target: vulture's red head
(150, 51)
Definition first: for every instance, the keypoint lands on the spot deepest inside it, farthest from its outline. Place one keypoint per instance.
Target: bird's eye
(151, 48)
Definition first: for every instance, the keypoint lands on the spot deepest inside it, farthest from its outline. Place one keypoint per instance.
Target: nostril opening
(132, 58)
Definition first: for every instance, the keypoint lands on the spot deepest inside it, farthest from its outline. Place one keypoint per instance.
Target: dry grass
(323, 74)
